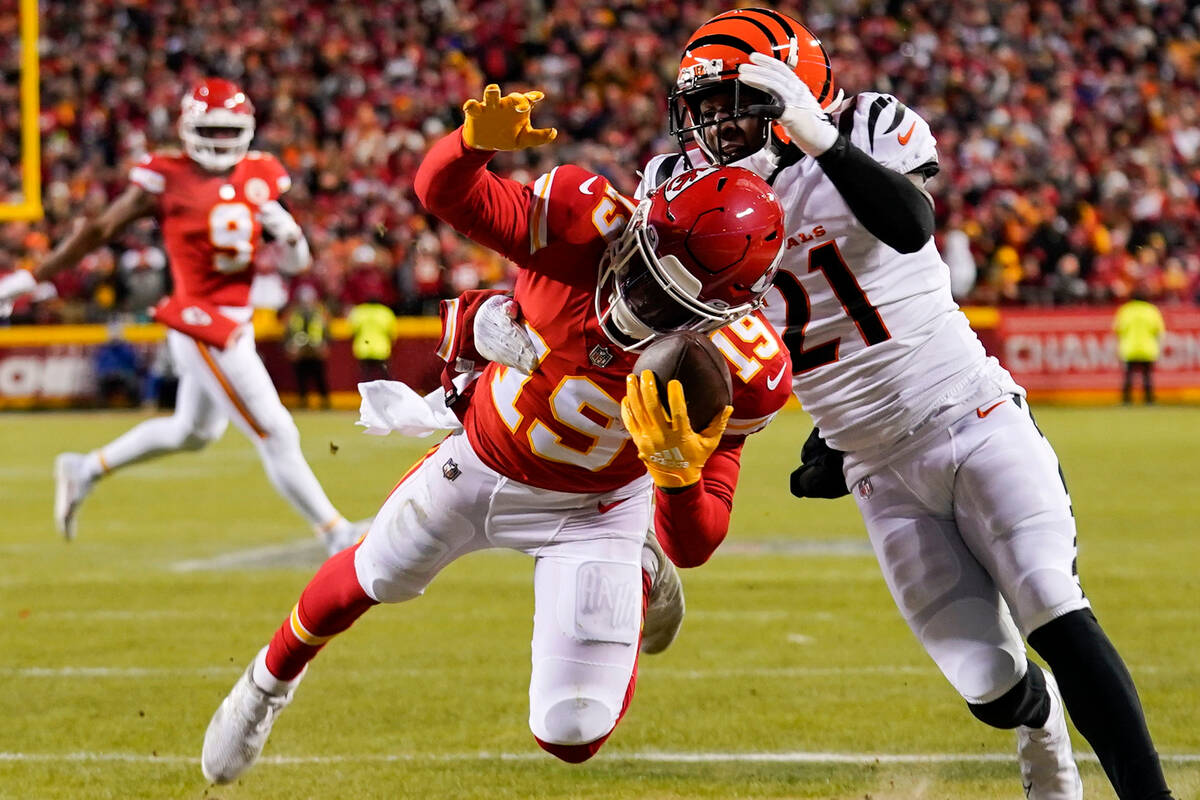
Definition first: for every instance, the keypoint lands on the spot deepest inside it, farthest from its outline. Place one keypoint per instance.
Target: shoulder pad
(659, 170)
(889, 131)
(565, 199)
(152, 170)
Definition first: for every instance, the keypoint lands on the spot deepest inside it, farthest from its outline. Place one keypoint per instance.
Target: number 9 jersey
(210, 223)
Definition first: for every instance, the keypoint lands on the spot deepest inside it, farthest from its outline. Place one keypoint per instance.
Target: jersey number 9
(231, 230)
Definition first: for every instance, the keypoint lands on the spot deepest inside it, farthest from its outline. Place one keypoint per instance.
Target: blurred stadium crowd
(1069, 132)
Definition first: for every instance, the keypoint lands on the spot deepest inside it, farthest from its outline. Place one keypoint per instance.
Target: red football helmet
(698, 253)
(216, 124)
(710, 63)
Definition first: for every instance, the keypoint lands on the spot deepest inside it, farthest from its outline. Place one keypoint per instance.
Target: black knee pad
(1027, 703)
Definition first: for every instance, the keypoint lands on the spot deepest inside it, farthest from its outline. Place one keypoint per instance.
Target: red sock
(329, 605)
(578, 753)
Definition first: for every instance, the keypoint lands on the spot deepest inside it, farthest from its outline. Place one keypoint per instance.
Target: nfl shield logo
(450, 470)
(865, 489)
(600, 356)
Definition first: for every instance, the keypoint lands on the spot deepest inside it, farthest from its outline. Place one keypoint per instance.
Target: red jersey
(209, 221)
(560, 428)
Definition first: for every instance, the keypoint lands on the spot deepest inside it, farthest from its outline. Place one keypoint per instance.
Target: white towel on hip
(393, 406)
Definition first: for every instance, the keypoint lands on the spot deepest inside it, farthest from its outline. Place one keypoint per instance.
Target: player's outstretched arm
(453, 182)
(694, 473)
(134, 203)
(502, 123)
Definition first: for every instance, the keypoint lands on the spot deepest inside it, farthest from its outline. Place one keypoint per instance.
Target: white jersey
(880, 351)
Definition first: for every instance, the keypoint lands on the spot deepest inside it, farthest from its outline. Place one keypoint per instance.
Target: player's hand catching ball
(502, 123)
(674, 454)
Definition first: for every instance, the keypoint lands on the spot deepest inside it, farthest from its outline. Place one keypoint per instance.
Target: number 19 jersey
(209, 221)
(560, 428)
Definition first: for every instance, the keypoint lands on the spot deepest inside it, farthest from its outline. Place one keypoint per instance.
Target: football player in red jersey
(213, 202)
(543, 464)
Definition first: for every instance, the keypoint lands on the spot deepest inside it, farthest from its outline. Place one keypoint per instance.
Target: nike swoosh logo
(773, 382)
(604, 508)
(903, 138)
(586, 186)
(983, 412)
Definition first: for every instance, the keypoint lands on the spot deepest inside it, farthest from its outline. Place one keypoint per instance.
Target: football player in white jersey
(962, 495)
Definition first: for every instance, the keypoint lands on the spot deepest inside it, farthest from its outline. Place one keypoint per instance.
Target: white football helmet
(216, 124)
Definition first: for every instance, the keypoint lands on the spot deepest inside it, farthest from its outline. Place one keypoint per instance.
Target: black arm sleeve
(888, 204)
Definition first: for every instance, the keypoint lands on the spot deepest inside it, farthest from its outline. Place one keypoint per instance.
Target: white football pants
(216, 386)
(973, 531)
(587, 582)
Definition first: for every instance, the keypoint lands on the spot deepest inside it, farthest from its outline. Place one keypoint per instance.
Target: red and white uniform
(560, 428)
(212, 230)
(210, 222)
(544, 465)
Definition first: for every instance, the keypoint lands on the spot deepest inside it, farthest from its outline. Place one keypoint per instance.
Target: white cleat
(345, 535)
(1048, 770)
(665, 606)
(239, 729)
(71, 485)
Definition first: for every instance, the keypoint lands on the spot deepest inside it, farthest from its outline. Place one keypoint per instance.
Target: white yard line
(309, 550)
(796, 757)
(288, 554)
(648, 672)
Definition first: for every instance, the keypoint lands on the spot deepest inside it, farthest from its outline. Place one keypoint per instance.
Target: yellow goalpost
(30, 206)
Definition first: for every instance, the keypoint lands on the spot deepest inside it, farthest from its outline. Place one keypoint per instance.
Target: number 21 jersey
(879, 348)
(560, 428)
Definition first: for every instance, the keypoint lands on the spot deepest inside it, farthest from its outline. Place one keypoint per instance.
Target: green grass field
(794, 675)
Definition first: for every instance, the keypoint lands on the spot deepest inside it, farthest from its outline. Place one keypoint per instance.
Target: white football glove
(803, 118)
(12, 286)
(294, 253)
(499, 338)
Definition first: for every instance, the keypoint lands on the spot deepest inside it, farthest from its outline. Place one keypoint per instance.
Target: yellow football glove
(502, 123)
(673, 452)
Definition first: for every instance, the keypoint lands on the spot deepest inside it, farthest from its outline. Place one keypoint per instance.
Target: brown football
(693, 360)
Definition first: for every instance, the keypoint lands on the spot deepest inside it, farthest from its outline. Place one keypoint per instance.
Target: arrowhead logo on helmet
(674, 187)
(216, 124)
(698, 253)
